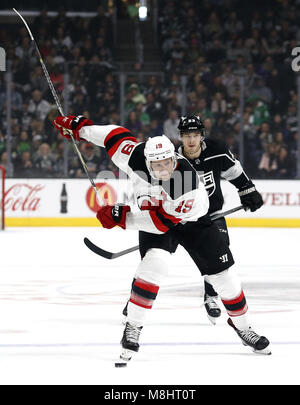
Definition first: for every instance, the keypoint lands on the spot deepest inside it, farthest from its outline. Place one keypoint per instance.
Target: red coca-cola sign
(22, 197)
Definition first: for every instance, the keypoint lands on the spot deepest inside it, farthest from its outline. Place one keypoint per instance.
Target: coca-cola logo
(107, 194)
(22, 197)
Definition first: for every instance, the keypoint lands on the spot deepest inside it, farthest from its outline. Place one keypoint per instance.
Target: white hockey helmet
(159, 148)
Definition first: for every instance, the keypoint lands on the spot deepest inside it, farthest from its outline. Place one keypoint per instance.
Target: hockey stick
(59, 106)
(105, 253)
(110, 255)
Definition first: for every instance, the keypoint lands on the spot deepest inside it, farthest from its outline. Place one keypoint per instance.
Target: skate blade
(212, 319)
(266, 351)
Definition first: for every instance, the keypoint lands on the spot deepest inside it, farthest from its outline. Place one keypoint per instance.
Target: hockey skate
(258, 344)
(212, 308)
(130, 343)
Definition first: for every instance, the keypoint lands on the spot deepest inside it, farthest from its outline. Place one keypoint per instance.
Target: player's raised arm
(117, 140)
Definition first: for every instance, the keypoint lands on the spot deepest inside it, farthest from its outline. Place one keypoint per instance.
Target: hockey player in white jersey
(173, 209)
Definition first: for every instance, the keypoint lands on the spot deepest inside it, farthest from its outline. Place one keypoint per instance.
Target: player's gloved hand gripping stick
(75, 122)
(250, 197)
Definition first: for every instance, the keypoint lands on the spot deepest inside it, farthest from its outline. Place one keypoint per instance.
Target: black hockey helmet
(191, 122)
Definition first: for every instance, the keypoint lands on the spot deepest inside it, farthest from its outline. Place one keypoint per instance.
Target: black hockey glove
(250, 197)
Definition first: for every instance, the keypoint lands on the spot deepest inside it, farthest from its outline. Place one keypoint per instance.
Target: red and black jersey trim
(115, 138)
(162, 220)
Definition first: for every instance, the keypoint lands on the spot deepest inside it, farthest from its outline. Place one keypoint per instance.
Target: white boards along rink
(72, 202)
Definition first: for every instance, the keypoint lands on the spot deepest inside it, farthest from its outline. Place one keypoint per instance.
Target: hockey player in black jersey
(213, 160)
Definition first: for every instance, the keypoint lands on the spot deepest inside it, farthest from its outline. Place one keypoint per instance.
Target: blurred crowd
(223, 45)
(217, 45)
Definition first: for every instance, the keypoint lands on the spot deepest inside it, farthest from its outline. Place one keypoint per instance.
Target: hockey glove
(113, 215)
(250, 197)
(71, 124)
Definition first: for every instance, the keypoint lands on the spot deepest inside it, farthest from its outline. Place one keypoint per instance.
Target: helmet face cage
(191, 123)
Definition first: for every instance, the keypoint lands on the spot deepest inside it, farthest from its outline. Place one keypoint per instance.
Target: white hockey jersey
(163, 204)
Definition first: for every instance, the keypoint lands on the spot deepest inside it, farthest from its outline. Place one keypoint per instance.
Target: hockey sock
(142, 297)
(228, 286)
(236, 309)
(236, 306)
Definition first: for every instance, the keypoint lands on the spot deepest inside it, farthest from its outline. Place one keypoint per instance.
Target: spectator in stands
(154, 129)
(133, 123)
(38, 106)
(286, 165)
(37, 80)
(238, 53)
(136, 95)
(268, 164)
(265, 136)
(79, 103)
(141, 114)
(228, 77)
(37, 140)
(62, 39)
(291, 117)
(261, 91)
(101, 20)
(213, 27)
(218, 104)
(23, 142)
(215, 52)
(277, 124)
(170, 126)
(58, 153)
(253, 44)
(233, 25)
(260, 112)
(91, 159)
(203, 110)
(44, 161)
(155, 108)
(25, 49)
(24, 166)
(279, 141)
(102, 50)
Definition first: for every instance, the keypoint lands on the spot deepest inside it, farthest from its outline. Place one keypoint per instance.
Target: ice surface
(60, 312)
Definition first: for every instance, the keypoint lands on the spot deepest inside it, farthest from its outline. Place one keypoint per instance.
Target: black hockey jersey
(216, 162)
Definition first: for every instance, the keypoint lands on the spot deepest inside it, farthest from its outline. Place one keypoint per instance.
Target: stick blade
(97, 250)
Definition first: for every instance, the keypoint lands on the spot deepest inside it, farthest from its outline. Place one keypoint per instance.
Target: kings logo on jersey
(208, 181)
